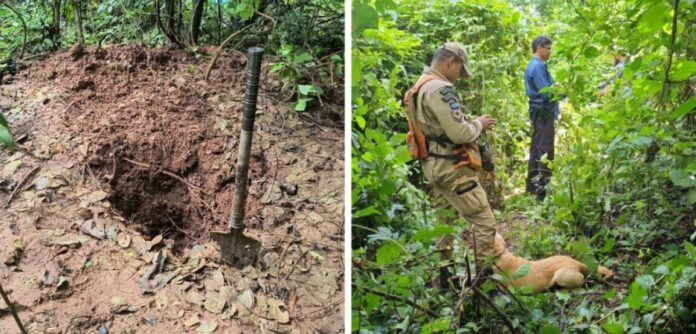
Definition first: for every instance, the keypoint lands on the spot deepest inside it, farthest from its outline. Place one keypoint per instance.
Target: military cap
(459, 51)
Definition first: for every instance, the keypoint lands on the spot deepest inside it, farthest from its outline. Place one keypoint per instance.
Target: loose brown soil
(124, 146)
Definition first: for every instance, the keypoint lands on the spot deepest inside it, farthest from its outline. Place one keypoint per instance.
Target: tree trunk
(219, 22)
(169, 17)
(166, 28)
(180, 21)
(78, 21)
(196, 21)
(55, 29)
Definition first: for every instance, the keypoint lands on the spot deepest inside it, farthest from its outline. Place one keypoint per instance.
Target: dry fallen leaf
(246, 298)
(227, 293)
(10, 168)
(118, 304)
(229, 313)
(315, 216)
(175, 314)
(112, 231)
(67, 241)
(84, 148)
(316, 256)
(42, 182)
(210, 285)
(196, 298)
(154, 242)
(95, 196)
(161, 301)
(207, 327)
(272, 195)
(58, 181)
(214, 302)
(92, 228)
(123, 239)
(192, 321)
(85, 213)
(278, 311)
(218, 278)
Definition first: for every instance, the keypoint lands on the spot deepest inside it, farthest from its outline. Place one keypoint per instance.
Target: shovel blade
(236, 248)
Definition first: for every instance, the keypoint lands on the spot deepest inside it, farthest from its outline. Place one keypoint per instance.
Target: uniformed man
(446, 123)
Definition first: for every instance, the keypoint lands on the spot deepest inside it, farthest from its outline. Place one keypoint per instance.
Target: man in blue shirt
(543, 111)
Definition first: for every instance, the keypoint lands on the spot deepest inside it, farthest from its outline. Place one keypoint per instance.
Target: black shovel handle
(236, 220)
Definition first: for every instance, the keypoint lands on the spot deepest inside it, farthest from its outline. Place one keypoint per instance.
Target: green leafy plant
(622, 192)
(5, 135)
(305, 92)
(294, 67)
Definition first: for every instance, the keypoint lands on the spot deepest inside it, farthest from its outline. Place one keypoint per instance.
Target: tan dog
(558, 270)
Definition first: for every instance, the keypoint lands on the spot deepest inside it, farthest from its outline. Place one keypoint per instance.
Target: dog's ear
(499, 244)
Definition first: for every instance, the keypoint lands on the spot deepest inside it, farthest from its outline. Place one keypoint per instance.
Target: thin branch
(219, 13)
(396, 298)
(665, 84)
(181, 230)
(330, 306)
(12, 310)
(171, 36)
(459, 304)
(376, 232)
(268, 17)
(20, 184)
(606, 316)
(575, 9)
(144, 165)
(684, 293)
(219, 50)
(294, 265)
(495, 307)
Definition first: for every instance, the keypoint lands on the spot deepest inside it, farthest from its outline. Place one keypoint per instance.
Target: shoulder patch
(450, 96)
(458, 115)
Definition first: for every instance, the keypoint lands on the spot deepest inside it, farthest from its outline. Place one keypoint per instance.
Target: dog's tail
(604, 271)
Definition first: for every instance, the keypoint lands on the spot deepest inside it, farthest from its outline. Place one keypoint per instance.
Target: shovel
(235, 247)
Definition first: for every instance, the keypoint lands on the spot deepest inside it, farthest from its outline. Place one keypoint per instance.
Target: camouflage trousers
(470, 202)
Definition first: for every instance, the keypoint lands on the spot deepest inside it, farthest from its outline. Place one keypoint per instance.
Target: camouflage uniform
(440, 113)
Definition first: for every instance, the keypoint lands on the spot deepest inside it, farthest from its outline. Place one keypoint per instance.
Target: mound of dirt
(127, 157)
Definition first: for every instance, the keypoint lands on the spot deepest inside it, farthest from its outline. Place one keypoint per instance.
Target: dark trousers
(538, 173)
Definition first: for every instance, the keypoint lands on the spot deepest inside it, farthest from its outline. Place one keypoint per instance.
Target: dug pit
(163, 185)
(158, 141)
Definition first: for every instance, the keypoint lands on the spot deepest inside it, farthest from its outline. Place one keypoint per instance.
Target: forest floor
(125, 162)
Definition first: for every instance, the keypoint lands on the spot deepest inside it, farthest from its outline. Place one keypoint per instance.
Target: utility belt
(462, 154)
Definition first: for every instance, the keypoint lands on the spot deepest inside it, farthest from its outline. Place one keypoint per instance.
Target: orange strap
(420, 148)
(414, 90)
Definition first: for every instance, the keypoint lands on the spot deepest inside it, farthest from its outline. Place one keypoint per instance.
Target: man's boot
(482, 276)
(445, 275)
(540, 195)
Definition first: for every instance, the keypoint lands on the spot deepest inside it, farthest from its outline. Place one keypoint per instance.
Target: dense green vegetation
(623, 191)
(304, 38)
